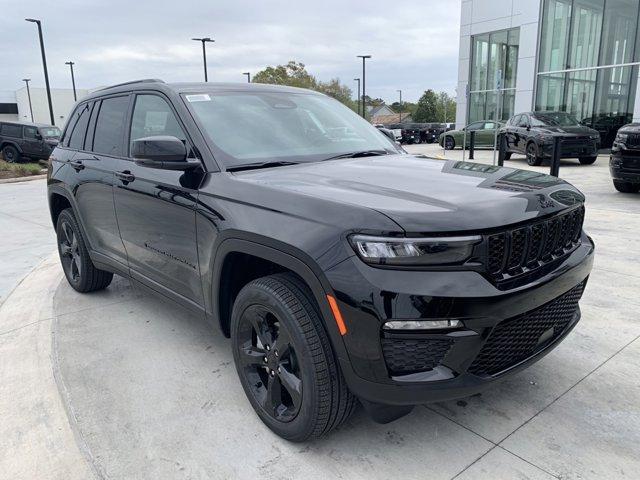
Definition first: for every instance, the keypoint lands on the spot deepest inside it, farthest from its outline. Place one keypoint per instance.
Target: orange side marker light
(337, 315)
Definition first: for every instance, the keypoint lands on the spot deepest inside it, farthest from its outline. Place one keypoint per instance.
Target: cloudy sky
(414, 43)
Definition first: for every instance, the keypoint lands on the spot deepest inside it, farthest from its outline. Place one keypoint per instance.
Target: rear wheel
(80, 271)
(588, 160)
(626, 187)
(10, 154)
(449, 143)
(285, 361)
(532, 155)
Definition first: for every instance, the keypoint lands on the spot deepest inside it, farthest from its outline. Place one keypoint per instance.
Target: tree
(407, 107)
(427, 109)
(295, 74)
(445, 99)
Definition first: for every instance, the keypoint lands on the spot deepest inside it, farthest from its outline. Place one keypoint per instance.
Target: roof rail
(144, 80)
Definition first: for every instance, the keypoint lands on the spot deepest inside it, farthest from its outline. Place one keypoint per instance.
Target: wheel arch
(6, 143)
(268, 256)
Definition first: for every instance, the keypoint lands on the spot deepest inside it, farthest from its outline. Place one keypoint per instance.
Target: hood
(421, 194)
(52, 140)
(567, 130)
(630, 128)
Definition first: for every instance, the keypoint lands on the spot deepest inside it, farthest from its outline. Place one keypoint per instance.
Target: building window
(494, 66)
(588, 62)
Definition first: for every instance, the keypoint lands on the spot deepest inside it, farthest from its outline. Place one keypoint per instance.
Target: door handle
(126, 176)
(77, 165)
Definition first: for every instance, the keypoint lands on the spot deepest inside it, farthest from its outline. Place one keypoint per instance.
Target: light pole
(248, 74)
(27, 80)
(73, 80)
(204, 53)
(364, 84)
(400, 92)
(358, 81)
(44, 65)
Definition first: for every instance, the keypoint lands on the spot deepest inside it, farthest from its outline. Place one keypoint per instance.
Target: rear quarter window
(8, 130)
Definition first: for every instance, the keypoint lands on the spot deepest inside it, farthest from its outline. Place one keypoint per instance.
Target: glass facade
(585, 51)
(494, 63)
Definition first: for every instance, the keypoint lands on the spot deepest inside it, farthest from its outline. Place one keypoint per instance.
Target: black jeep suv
(534, 134)
(20, 139)
(624, 163)
(340, 268)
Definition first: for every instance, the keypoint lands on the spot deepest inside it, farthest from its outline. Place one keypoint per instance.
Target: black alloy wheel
(532, 155)
(10, 154)
(449, 143)
(80, 271)
(285, 361)
(269, 362)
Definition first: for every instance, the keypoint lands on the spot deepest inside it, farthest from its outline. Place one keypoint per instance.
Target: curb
(23, 179)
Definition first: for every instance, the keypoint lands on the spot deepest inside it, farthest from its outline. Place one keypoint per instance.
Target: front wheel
(626, 187)
(533, 158)
(285, 361)
(588, 160)
(80, 271)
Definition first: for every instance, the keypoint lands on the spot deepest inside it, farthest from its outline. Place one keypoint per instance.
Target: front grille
(404, 356)
(519, 338)
(633, 141)
(523, 250)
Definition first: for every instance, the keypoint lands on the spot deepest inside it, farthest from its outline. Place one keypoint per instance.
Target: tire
(626, 187)
(80, 271)
(588, 160)
(275, 313)
(532, 155)
(10, 154)
(449, 143)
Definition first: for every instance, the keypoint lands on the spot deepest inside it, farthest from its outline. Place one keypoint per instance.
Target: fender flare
(60, 190)
(287, 256)
(13, 144)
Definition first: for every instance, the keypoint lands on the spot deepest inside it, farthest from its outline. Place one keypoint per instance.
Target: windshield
(50, 132)
(248, 128)
(558, 119)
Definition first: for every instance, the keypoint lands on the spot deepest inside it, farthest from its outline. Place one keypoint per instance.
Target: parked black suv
(340, 268)
(533, 134)
(20, 139)
(624, 163)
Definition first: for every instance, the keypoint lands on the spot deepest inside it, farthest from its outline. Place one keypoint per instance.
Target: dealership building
(22, 105)
(577, 56)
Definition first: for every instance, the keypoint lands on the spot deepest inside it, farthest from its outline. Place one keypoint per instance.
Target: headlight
(414, 251)
(622, 138)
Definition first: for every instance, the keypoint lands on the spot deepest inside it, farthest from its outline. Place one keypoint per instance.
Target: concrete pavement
(119, 385)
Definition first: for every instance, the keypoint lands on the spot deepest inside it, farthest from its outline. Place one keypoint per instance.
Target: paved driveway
(25, 229)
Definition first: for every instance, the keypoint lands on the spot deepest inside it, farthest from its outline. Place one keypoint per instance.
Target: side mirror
(389, 134)
(162, 152)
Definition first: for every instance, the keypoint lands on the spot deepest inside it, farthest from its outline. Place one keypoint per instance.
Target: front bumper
(624, 165)
(368, 297)
(571, 148)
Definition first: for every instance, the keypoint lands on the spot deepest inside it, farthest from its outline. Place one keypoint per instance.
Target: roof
(27, 124)
(199, 87)
(395, 118)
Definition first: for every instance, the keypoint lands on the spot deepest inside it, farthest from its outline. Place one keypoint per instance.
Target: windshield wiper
(363, 153)
(255, 166)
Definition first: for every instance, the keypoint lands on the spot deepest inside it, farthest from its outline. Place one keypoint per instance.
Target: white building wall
(61, 98)
(484, 16)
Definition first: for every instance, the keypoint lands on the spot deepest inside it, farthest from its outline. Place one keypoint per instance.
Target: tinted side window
(31, 133)
(152, 115)
(11, 130)
(76, 140)
(523, 121)
(107, 137)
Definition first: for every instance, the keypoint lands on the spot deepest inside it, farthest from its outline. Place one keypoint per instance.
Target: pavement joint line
(35, 322)
(38, 265)
(474, 462)
(488, 440)
(569, 389)
(530, 463)
(109, 304)
(65, 399)
(24, 220)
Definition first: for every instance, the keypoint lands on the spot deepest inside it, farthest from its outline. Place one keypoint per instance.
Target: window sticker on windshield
(203, 97)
